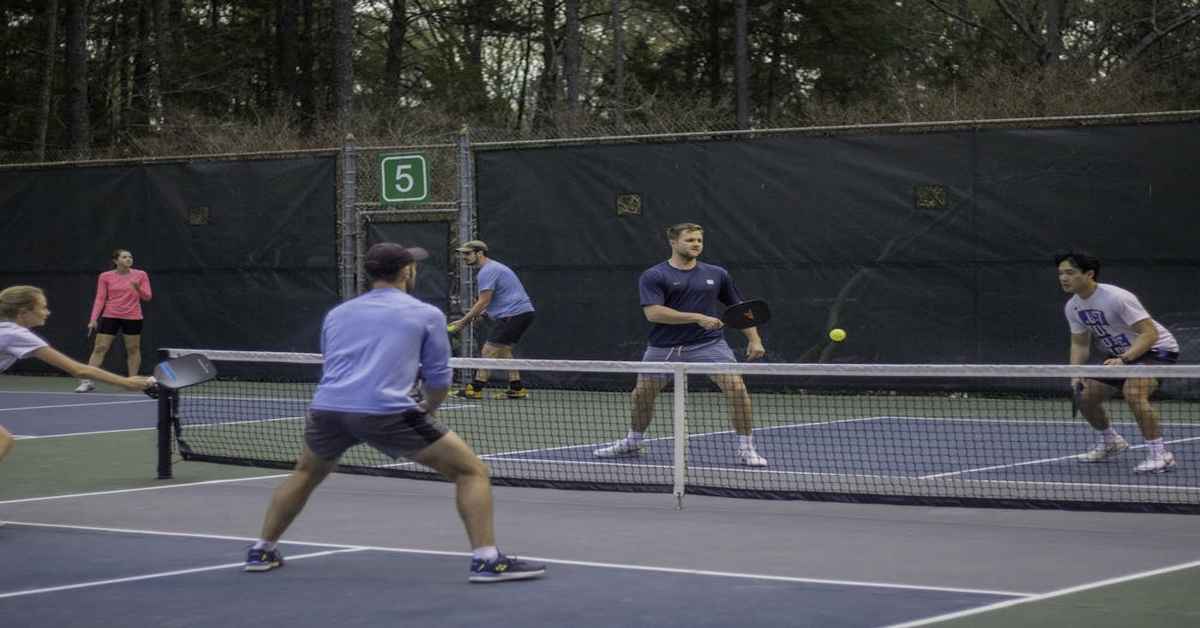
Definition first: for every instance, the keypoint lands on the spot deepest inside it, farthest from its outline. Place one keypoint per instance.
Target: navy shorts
(506, 332)
(127, 326)
(1151, 357)
(329, 433)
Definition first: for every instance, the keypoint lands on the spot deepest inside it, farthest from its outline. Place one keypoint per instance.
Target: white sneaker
(621, 448)
(85, 385)
(1104, 450)
(1160, 464)
(747, 456)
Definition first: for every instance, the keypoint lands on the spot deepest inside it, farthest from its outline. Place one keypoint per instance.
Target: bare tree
(46, 89)
(741, 65)
(79, 132)
(343, 62)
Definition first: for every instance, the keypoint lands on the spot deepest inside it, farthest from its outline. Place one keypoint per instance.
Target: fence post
(466, 231)
(349, 217)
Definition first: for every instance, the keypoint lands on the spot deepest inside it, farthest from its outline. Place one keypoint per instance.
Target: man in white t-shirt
(1118, 322)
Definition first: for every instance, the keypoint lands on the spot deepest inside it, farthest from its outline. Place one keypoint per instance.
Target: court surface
(94, 540)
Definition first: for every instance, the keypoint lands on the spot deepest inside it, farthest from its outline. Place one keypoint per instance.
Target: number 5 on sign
(405, 179)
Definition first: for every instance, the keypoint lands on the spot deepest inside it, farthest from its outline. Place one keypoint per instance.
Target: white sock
(634, 438)
(486, 552)
(1157, 449)
(745, 442)
(264, 545)
(1111, 435)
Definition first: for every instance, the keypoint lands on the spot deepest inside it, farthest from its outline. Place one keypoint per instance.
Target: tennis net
(969, 435)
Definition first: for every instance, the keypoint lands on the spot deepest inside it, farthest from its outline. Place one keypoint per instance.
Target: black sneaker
(263, 560)
(504, 568)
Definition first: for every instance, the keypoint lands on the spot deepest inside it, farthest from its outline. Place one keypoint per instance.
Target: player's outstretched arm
(54, 358)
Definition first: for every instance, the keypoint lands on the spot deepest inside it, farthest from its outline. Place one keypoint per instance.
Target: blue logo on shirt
(1098, 324)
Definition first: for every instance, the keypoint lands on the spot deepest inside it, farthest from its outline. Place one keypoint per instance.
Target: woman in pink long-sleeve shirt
(118, 309)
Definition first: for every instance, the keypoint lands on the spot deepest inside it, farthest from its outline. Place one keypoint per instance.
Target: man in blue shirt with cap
(503, 299)
(374, 347)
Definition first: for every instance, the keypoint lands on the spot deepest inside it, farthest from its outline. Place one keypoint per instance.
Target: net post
(679, 422)
(164, 427)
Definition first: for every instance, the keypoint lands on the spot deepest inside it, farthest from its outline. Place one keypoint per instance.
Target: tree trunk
(548, 85)
(46, 91)
(714, 52)
(777, 52)
(1055, 12)
(286, 36)
(164, 58)
(140, 104)
(79, 132)
(397, 31)
(741, 65)
(474, 93)
(618, 94)
(343, 62)
(571, 58)
(525, 63)
(308, 82)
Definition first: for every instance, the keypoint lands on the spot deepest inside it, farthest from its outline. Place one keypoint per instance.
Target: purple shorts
(714, 351)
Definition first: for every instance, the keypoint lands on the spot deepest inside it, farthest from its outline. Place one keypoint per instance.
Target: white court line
(143, 488)
(44, 436)
(161, 574)
(78, 405)
(580, 563)
(73, 394)
(1046, 596)
(1042, 461)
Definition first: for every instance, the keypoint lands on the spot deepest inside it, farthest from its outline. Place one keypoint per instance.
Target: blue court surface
(122, 577)
(57, 413)
(372, 551)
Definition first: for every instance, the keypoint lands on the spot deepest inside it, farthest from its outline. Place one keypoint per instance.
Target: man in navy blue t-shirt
(680, 297)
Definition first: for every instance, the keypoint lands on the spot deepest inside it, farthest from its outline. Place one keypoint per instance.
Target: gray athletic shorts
(329, 433)
(714, 351)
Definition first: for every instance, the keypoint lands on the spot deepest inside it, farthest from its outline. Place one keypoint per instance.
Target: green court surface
(99, 462)
(65, 465)
(1165, 600)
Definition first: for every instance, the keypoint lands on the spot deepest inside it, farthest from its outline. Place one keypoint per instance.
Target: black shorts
(110, 326)
(330, 433)
(506, 332)
(1151, 357)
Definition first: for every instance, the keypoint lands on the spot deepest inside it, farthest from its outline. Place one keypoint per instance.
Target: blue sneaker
(263, 560)
(504, 568)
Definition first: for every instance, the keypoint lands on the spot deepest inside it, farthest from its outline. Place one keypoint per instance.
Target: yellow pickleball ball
(837, 335)
(452, 329)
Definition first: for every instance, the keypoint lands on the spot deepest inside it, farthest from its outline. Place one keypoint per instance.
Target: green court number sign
(405, 178)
